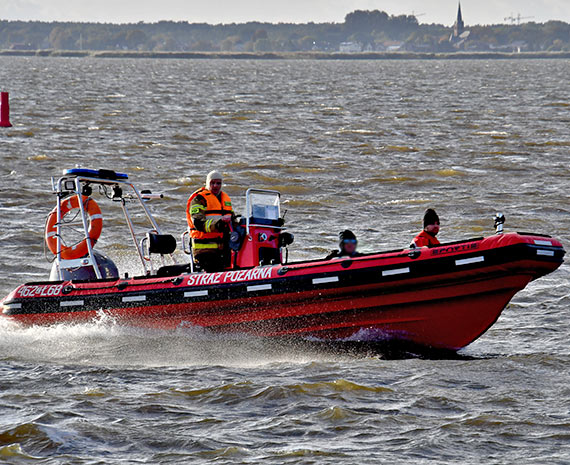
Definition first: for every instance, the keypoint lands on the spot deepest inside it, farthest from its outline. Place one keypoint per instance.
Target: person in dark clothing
(427, 238)
(346, 246)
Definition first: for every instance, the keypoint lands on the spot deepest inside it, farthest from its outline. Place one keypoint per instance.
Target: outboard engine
(106, 267)
(264, 236)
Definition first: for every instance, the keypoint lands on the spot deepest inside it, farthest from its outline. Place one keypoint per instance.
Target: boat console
(265, 235)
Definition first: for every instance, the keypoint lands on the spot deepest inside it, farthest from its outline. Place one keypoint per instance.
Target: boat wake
(104, 342)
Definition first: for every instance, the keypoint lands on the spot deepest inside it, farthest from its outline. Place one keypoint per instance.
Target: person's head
(214, 182)
(431, 222)
(347, 241)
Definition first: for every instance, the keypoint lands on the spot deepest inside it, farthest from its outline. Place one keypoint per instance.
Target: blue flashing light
(99, 174)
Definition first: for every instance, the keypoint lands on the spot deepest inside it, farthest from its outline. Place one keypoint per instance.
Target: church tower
(459, 25)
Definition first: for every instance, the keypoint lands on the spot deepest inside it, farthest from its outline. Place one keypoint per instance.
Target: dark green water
(365, 145)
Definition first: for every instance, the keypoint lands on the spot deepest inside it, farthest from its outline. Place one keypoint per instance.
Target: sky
(296, 11)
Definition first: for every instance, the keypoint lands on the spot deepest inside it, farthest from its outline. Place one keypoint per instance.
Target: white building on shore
(350, 47)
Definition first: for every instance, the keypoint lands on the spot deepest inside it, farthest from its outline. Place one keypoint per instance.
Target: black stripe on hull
(286, 285)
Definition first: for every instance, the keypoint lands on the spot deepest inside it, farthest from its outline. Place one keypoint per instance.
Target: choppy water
(366, 145)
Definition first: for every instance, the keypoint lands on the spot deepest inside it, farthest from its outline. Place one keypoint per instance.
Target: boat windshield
(263, 205)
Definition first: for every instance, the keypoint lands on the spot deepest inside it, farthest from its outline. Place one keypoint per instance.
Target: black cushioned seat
(162, 244)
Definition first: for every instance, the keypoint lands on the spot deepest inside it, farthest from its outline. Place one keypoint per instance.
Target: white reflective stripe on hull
(135, 298)
(469, 261)
(540, 242)
(196, 294)
(72, 303)
(331, 279)
(259, 287)
(395, 272)
(13, 306)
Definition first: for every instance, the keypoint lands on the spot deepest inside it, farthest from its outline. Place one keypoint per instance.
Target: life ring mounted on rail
(95, 227)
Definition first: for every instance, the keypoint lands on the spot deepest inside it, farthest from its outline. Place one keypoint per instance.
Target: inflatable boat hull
(443, 298)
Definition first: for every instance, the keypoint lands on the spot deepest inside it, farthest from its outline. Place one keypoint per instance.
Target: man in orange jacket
(209, 214)
(427, 238)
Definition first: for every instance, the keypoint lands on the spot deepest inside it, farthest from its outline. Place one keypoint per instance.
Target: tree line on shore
(360, 31)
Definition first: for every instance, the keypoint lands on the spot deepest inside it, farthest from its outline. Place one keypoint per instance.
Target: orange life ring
(95, 227)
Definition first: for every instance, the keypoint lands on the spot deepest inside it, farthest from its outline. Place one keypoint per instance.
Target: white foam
(105, 342)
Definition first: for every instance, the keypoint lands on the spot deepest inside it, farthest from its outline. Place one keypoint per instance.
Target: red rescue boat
(444, 297)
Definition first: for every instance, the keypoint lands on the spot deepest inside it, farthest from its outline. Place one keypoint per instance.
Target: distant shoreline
(286, 55)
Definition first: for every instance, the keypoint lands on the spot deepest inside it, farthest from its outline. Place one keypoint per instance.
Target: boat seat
(162, 244)
(173, 270)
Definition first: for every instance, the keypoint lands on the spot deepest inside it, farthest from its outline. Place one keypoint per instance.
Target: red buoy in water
(4, 111)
